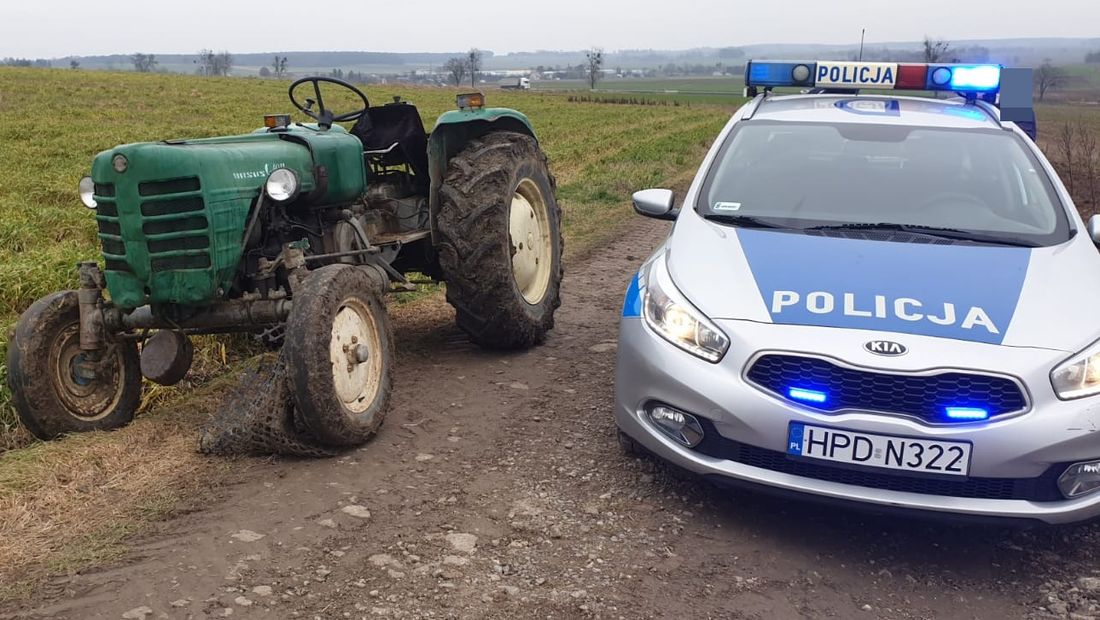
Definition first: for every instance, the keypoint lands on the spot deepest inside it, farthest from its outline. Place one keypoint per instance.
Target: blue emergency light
(984, 79)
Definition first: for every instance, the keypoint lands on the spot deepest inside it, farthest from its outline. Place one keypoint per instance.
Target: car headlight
(1079, 376)
(672, 316)
(87, 191)
(282, 185)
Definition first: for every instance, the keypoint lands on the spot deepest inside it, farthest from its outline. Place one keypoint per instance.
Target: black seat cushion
(399, 123)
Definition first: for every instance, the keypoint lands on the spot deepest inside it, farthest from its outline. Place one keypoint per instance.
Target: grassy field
(683, 91)
(60, 119)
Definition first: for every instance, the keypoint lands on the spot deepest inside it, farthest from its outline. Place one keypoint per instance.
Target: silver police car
(875, 298)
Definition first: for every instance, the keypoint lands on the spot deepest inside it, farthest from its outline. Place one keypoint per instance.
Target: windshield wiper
(933, 231)
(743, 221)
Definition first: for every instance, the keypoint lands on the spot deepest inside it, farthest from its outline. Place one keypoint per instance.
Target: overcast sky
(54, 28)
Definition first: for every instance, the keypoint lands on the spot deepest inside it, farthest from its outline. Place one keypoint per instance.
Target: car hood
(1028, 297)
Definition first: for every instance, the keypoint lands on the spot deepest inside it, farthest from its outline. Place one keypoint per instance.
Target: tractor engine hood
(172, 214)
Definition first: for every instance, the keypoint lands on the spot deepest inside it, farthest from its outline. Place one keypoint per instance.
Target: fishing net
(259, 418)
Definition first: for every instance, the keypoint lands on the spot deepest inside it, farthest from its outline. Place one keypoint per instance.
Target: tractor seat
(393, 134)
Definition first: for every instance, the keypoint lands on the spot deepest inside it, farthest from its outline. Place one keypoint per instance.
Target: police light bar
(978, 79)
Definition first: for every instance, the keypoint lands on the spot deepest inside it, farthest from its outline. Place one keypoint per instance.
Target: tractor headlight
(1079, 376)
(282, 185)
(673, 317)
(87, 192)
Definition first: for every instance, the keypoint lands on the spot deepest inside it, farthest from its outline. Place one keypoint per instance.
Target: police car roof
(876, 109)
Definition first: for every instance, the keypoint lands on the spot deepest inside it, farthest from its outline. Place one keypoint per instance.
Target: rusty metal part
(89, 296)
(166, 357)
(236, 315)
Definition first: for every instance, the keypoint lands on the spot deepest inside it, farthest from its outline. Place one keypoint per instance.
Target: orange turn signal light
(470, 100)
(273, 121)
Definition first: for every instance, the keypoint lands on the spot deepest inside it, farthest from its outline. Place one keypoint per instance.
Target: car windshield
(981, 185)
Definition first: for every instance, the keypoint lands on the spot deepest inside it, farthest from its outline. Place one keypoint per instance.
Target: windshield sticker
(725, 207)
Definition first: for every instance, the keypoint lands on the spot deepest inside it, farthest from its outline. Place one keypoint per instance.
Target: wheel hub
(532, 250)
(356, 373)
(88, 389)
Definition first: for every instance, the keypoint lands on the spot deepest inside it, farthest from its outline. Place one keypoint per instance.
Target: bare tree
(457, 68)
(1048, 77)
(473, 64)
(1065, 143)
(213, 63)
(144, 63)
(278, 66)
(1089, 162)
(935, 50)
(593, 66)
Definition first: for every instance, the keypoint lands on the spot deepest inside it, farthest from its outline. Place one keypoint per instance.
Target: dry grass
(74, 503)
(71, 504)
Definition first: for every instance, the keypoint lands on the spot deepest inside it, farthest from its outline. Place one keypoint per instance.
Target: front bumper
(1018, 456)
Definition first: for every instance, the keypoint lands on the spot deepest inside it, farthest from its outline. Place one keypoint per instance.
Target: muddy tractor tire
(340, 356)
(50, 396)
(500, 244)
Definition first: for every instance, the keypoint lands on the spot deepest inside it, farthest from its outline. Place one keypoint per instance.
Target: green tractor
(296, 231)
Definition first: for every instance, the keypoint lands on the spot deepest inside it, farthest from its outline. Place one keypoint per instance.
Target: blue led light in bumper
(967, 413)
(807, 396)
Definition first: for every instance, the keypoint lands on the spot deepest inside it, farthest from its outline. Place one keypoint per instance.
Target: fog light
(1080, 479)
(119, 163)
(681, 427)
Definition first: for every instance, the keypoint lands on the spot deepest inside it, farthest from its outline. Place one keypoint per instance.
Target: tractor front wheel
(500, 241)
(339, 354)
(56, 387)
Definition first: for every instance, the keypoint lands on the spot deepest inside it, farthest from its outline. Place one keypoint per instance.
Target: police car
(873, 297)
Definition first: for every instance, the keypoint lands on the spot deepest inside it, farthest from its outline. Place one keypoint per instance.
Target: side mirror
(656, 203)
(1094, 229)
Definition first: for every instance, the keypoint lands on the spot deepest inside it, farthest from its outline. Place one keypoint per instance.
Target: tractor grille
(110, 233)
(175, 225)
(925, 397)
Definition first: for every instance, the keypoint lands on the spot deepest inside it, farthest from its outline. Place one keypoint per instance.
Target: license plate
(882, 451)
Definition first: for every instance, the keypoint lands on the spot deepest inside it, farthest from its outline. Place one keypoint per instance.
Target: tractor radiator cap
(166, 357)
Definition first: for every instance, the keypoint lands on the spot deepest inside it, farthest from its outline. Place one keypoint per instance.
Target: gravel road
(496, 489)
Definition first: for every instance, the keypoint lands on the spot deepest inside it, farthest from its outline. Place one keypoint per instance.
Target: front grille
(171, 186)
(1041, 489)
(109, 227)
(925, 397)
(175, 224)
(172, 263)
(105, 190)
(171, 207)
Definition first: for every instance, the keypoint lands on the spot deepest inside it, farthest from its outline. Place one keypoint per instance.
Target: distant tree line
(1093, 57)
(26, 62)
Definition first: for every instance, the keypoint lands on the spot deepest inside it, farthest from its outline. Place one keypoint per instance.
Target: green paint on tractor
(171, 224)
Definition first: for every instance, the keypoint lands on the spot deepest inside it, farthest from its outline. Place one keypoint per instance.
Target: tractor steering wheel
(324, 116)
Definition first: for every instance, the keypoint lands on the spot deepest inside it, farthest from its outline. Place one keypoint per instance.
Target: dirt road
(496, 490)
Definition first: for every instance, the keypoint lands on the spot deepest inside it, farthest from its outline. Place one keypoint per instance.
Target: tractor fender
(453, 131)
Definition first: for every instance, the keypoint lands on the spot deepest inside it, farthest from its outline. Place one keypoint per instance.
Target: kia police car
(876, 298)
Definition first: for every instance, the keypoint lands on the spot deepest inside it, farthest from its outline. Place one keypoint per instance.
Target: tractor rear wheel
(500, 241)
(340, 357)
(51, 388)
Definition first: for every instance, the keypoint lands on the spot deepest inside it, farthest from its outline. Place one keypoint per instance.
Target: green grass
(57, 120)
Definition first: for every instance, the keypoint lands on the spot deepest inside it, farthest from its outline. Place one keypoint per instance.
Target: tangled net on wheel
(259, 418)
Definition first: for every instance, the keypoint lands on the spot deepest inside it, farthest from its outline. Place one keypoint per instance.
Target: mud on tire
(49, 398)
(340, 402)
(477, 253)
